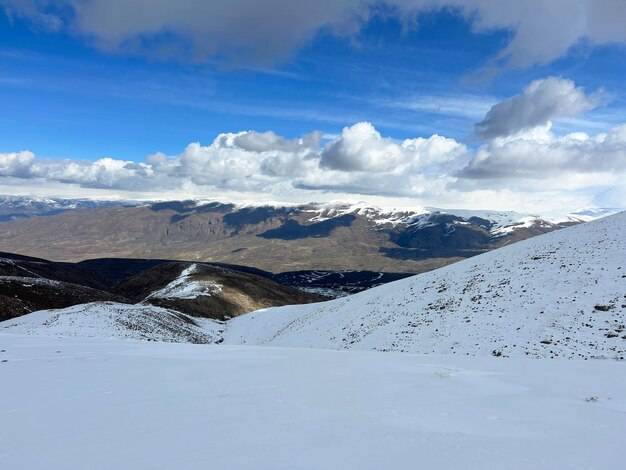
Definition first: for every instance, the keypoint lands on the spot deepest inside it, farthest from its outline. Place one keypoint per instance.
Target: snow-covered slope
(71, 403)
(115, 320)
(184, 287)
(501, 222)
(562, 294)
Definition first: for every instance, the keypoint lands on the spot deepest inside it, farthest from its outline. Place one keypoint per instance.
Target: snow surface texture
(69, 403)
(184, 287)
(562, 294)
(114, 320)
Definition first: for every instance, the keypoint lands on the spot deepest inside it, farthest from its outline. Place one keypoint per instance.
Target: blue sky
(63, 98)
(66, 96)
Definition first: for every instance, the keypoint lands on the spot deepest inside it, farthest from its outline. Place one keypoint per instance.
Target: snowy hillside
(115, 320)
(562, 294)
(71, 403)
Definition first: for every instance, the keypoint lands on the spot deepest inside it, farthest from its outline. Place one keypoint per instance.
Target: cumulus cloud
(361, 148)
(269, 31)
(541, 101)
(269, 141)
(540, 159)
(530, 170)
(17, 164)
(359, 160)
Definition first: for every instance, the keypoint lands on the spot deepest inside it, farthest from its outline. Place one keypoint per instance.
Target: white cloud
(532, 170)
(541, 101)
(540, 155)
(361, 148)
(427, 154)
(268, 141)
(17, 164)
(359, 161)
(269, 31)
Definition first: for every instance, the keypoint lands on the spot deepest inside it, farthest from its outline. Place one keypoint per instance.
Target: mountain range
(326, 237)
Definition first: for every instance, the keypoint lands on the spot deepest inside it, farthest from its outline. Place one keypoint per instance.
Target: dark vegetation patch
(116, 270)
(254, 215)
(293, 230)
(25, 295)
(176, 206)
(211, 207)
(444, 232)
(26, 266)
(424, 254)
(480, 222)
(342, 281)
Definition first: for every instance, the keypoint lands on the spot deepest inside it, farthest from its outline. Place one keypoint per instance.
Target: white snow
(115, 320)
(69, 403)
(504, 222)
(543, 297)
(325, 291)
(100, 402)
(524, 222)
(185, 287)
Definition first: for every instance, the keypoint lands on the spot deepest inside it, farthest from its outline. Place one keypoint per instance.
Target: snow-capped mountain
(21, 207)
(277, 238)
(562, 294)
(498, 221)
